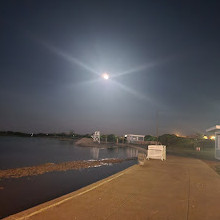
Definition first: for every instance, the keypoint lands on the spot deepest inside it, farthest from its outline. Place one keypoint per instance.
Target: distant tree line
(13, 133)
(170, 140)
(61, 135)
(173, 141)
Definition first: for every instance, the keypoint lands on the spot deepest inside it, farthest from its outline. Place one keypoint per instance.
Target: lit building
(134, 138)
(216, 130)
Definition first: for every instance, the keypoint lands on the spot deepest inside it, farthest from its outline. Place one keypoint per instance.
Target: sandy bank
(88, 142)
(50, 167)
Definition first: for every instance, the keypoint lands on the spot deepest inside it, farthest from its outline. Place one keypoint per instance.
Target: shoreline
(54, 180)
(70, 165)
(87, 142)
(135, 188)
(60, 199)
(52, 167)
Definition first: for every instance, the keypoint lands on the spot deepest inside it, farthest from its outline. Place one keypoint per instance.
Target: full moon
(105, 76)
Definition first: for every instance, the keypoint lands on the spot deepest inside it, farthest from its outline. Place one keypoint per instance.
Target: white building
(134, 138)
(216, 130)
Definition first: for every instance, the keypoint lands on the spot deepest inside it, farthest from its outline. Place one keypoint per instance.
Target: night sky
(163, 58)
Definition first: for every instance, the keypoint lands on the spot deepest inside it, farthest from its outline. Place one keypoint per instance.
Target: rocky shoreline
(51, 167)
(71, 165)
(88, 142)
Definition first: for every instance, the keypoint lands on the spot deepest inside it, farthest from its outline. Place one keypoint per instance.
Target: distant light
(105, 76)
(212, 137)
(205, 137)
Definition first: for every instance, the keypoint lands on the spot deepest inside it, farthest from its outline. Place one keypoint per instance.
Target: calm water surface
(22, 193)
(20, 152)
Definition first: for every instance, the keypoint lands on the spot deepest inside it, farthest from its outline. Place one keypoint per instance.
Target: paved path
(178, 189)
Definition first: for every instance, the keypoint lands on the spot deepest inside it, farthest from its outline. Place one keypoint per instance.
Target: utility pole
(157, 122)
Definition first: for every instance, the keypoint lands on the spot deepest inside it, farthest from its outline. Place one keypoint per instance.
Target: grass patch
(207, 154)
(186, 147)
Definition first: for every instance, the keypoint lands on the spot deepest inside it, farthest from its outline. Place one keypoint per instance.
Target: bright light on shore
(212, 137)
(105, 76)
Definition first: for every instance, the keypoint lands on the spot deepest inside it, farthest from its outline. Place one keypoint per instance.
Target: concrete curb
(23, 215)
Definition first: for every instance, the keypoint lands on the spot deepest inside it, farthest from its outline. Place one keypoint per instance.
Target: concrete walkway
(179, 188)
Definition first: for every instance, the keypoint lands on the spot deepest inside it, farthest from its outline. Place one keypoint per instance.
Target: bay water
(22, 193)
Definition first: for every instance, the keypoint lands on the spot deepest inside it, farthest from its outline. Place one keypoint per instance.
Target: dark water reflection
(20, 152)
(22, 193)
